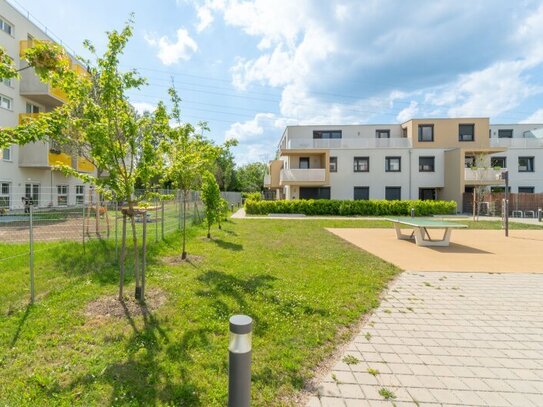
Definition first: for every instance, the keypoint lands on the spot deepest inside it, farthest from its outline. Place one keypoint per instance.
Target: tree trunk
(123, 258)
(183, 251)
(208, 230)
(143, 256)
(136, 256)
(97, 220)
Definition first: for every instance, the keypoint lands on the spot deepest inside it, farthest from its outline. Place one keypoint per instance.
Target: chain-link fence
(33, 230)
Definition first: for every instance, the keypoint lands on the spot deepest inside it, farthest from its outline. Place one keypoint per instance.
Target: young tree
(211, 197)
(188, 155)
(225, 165)
(222, 211)
(251, 177)
(99, 123)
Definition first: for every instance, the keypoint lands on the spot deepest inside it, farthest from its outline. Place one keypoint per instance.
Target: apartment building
(418, 159)
(26, 171)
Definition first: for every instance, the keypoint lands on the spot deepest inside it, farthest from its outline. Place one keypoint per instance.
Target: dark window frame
(399, 188)
(387, 163)
(503, 131)
(530, 167)
(472, 125)
(493, 164)
(379, 132)
(361, 188)
(356, 165)
(318, 134)
(421, 196)
(305, 159)
(335, 164)
(527, 190)
(421, 169)
(421, 126)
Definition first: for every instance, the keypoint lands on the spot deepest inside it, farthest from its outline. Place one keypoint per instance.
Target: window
(62, 195)
(505, 133)
(498, 162)
(466, 132)
(304, 163)
(6, 154)
(426, 132)
(361, 193)
(32, 192)
(393, 193)
(427, 164)
(30, 108)
(4, 195)
(7, 82)
(497, 190)
(333, 164)
(314, 192)
(5, 102)
(318, 134)
(361, 164)
(427, 194)
(526, 164)
(382, 133)
(469, 161)
(5, 26)
(526, 190)
(404, 132)
(79, 194)
(393, 164)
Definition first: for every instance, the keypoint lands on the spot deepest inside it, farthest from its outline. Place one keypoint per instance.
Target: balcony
(349, 143)
(483, 176)
(299, 175)
(517, 142)
(84, 165)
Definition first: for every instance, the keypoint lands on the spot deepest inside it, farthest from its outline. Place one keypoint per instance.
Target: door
(314, 192)
(32, 192)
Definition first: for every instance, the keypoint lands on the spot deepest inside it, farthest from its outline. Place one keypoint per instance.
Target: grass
(350, 360)
(303, 302)
(373, 372)
(386, 393)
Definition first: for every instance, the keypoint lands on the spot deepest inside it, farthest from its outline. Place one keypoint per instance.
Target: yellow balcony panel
(84, 165)
(23, 117)
(57, 159)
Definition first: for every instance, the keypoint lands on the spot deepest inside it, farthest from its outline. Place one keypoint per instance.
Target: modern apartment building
(418, 159)
(26, 171)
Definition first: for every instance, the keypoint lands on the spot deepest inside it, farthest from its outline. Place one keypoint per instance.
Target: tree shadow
(228, 245)
(20, 325)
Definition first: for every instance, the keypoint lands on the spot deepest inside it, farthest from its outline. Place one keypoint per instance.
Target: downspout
(410, 171)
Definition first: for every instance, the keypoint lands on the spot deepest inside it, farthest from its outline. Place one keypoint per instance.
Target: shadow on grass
(228, 245)
(20, 326)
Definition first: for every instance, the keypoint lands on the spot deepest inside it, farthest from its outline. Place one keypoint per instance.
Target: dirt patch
(175, 260)
(110, 306)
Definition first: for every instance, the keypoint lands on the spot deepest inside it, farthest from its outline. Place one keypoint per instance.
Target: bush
(251, 196)
(350, 208)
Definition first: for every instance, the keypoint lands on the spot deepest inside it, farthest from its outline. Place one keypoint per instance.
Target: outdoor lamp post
(239, 361)
(505, 177)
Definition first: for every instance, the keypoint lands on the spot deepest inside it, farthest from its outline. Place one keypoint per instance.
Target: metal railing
(351, 143)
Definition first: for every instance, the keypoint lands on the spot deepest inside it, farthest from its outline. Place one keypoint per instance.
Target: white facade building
(27, 170)
(418, 159)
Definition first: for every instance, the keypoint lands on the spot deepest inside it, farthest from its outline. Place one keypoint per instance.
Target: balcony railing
(482, 174)
(349, 143)
(303, 175)
(267, 180)
(517, 142)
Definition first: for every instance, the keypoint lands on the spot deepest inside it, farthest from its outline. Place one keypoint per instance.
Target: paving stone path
(446, 339)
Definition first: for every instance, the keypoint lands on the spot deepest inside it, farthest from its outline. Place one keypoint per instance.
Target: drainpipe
(410, 170)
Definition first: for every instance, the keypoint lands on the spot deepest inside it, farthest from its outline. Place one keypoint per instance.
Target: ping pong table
(421, 227)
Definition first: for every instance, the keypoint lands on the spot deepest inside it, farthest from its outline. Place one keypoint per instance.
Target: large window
(500, 162)
(505, 133)
(333, 164)
(393, 164)
(466, 132)
(314, 192)
(526, 190)
(393, 193)
(427, 194)
(426, 132)
(7, 82)
(31, 108)
(526, 164)
(6, 103)
(6, 27)
(79, 194)
(427, 164)
(32, 192)
(382, 133)
(4, 195)
(62, 195)
(319, 134)
(6, 154)
(361, 193)
(361, 164)
(304, 163)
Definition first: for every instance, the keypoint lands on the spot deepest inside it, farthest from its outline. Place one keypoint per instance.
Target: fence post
(143, 257)
(31, 232)
(239, 361)
(83, 229)
(162, 221)
(116, 240)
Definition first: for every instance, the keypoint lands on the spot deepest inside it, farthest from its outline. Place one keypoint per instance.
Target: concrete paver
(446, 339)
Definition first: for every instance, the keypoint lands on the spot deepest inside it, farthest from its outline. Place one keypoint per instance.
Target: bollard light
(412, 212)
(239, 361)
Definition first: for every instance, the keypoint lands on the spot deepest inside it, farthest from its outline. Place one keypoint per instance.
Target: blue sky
(250, 68)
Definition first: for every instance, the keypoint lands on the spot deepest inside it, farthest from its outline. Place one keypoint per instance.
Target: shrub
(350, 208)
(251, 196)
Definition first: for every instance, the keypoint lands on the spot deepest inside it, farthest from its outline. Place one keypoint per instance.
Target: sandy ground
(470, 250)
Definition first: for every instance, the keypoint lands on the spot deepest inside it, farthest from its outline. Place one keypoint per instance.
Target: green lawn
(301, 284)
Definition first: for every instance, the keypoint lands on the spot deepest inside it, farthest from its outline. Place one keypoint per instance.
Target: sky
(249, 68)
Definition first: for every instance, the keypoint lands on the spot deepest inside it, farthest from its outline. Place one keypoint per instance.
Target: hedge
(350, 208)
(253, 196)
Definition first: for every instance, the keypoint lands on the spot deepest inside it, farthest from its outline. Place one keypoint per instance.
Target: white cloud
(536, 117)
(142, 107)
(250, 130)
(408, 113)
(171, 53)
